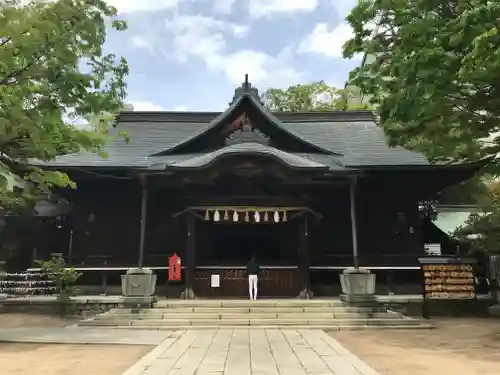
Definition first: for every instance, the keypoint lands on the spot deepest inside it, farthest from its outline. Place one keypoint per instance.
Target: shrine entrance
(235, 244)
(228, 238)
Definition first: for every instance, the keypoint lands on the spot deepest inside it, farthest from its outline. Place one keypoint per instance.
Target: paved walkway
(250, 352)
(78, 335)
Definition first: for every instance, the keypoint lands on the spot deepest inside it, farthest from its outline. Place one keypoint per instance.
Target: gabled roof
(339, 140)
(238, 106)
(352, 138)
(247, 149)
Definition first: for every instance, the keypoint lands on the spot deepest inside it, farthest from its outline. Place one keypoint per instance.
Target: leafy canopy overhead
(435, 75)
(318, 96)
(52, 64)
(484, 226)
(315, 96)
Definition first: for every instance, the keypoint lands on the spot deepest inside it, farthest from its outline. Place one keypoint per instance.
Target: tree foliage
(482, 229)
(52, 68)
(472, 191)
(100, 122)
(435, 75)
(318, 96)
(315, 96)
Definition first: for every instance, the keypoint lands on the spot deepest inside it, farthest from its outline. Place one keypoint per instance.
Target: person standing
(253, 271)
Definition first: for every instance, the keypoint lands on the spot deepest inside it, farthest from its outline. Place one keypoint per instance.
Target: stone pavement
(250, 352)
(77, 335)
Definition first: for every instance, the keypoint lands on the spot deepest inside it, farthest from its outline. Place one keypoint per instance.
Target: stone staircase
(199, 314)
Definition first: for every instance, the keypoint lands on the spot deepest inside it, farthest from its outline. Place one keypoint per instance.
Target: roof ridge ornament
(246, 89)
(244, 132)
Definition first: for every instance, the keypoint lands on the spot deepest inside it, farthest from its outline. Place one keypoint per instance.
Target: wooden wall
(106, 222)
(388, 231)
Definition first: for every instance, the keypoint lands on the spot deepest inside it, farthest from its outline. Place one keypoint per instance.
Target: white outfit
(252, 286)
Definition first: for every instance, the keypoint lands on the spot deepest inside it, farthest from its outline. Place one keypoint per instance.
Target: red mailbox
(174, 268)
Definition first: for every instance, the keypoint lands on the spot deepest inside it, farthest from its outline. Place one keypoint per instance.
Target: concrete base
(188, 293)
(138, 284)
(358, 286)
(358, 298)
(494, 310)
(131, 302)
(221, 314)
(306, 294)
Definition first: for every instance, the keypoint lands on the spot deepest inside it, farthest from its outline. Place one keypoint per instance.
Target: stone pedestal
(188, 293)
(494, 310)
(306, 294)
(358, 285)
(138, 284)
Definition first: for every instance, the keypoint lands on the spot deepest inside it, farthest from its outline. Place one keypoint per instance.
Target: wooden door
(282, 282)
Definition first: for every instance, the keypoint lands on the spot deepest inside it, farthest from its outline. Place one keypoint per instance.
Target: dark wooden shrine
(342, 196)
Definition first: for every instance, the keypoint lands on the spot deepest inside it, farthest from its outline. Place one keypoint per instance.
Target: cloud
(223, 6)
(263, 69)
(322, 41)
(343, 7)
(205, 38)
(143, 43)
(201, 36)
(265, 8)
(130, 6)
(147, 106)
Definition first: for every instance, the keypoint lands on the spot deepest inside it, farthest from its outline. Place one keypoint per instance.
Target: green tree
(52, 65)
(472, 191)
(315, 96)
(482, 229)
(435, 75)
(318, 96)
(101, 122)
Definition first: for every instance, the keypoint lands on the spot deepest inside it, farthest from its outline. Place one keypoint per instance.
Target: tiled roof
(344, 140)
(248, 149)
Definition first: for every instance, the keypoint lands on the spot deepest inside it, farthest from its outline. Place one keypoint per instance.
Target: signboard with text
(448, 278)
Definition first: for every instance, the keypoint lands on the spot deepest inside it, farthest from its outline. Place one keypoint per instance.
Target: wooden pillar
(304, 260)
(190, 261)
(144, 209)
(354, 227)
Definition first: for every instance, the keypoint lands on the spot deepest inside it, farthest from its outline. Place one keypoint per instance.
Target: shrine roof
(338, 140)
(352, 134)
(254, 149)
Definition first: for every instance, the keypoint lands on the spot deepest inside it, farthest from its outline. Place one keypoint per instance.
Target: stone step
(324, 327)
(249, 315)
(248, 322)
(248, 303)
(258, 309)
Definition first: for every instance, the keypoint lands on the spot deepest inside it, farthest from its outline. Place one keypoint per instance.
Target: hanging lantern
(226, 215)
(207, 215)
(284, 217)
(216, 216)
(235, 216)
(247, 217)
(256, 216)
(266, 217)
(276, 216)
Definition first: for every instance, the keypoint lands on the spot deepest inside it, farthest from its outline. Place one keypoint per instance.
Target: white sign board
(433, 249)
(215, 281)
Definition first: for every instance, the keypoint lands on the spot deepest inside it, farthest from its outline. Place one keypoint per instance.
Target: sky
(192, 54)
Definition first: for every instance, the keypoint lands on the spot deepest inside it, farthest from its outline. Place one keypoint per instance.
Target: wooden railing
(345, 260)
(278, 281)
